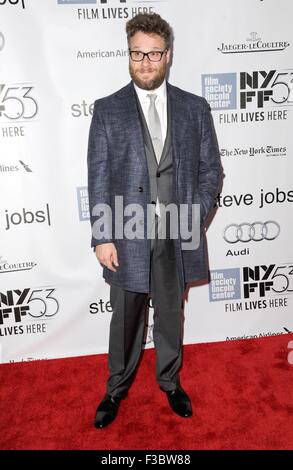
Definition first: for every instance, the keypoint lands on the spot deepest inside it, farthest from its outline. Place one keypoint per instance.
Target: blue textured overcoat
(117, 166)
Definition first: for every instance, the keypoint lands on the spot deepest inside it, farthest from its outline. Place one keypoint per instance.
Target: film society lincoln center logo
(263, 286)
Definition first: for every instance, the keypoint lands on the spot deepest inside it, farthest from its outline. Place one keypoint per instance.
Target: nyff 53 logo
(262, 280)
(274, 87)
(17, 102)
(13, 3)
(37, 303)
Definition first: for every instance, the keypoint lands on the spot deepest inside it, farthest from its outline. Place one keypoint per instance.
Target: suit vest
(160, 175)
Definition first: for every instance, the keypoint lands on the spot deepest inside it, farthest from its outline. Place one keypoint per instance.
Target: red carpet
(242, 395)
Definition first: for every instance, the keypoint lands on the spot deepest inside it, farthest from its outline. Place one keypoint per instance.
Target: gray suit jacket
(117, 166)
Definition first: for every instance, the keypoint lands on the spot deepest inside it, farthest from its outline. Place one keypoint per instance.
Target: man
(154, 145)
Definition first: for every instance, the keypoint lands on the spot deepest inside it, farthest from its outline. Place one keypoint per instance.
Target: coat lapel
(179, 120)
(167, 140)
(130, 118)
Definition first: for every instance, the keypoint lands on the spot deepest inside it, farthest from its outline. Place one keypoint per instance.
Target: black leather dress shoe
(179, 402)
(107, 411)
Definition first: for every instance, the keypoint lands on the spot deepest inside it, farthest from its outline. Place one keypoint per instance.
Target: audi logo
(256, 232)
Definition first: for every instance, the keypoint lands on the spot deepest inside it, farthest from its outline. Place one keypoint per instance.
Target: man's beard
(150, 84)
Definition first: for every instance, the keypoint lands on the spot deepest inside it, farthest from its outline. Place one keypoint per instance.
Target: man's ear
(168, 54)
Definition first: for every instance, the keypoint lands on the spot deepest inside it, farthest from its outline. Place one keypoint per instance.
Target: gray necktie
(155, 127)
(156, 134)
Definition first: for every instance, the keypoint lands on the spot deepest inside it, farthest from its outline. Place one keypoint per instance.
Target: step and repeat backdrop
(56, 58)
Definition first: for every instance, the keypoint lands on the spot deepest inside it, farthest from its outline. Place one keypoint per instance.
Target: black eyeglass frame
(147, 54)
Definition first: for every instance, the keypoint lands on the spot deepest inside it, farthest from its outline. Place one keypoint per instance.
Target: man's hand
(107, 255)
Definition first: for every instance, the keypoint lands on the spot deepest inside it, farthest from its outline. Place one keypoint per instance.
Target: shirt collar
(161, 92)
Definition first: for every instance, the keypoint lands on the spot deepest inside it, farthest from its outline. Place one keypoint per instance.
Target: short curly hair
(149, 23)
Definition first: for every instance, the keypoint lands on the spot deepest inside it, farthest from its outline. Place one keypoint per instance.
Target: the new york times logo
(13, 2)
(37, 303)
(262, 280)
(273, 86)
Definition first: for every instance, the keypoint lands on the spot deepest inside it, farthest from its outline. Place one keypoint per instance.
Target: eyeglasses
(153, 56)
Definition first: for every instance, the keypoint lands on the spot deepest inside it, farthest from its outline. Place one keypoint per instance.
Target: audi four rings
(247, 232)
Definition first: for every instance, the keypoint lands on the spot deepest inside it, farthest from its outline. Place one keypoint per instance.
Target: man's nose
(146, 57)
